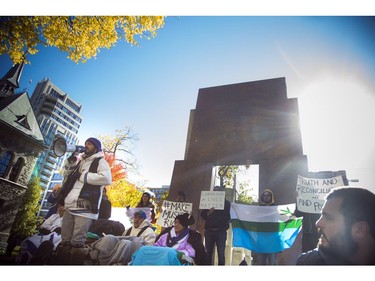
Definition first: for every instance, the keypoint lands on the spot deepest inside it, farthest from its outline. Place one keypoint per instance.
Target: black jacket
(219, 219)
(317, 257)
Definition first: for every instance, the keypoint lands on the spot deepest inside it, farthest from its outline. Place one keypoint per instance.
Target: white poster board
(311, 192)
(211, 199)
(130, 213)
(170, 210)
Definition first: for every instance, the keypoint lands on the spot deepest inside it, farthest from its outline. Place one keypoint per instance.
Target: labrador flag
(264, 229)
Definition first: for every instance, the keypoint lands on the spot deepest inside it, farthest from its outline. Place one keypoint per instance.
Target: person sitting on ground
(347, 229)
(44, 243)
(184, 240)
(111, 249)
(141, 227)
(53, 223)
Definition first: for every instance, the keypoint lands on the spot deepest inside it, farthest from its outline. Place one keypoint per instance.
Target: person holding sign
(146, 202)
(215, 229)
(347, 229)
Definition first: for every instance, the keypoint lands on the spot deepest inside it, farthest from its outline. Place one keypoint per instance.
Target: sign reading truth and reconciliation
(211, 199)
(170, 210)
(311, 192)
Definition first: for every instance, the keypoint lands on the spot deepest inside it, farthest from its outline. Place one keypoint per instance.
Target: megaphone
(60, 147)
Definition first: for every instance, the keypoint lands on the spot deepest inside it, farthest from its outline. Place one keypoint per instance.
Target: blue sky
(328, 64)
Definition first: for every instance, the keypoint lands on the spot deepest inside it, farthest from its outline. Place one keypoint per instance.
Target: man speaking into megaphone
(81, 193)
(94, 146)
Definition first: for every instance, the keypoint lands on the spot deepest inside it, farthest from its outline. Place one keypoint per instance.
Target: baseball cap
(141, 214)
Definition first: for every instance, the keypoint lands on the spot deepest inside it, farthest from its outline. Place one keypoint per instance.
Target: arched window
(4, 163)
(16, 169)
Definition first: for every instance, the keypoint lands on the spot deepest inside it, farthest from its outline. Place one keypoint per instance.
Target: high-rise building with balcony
(58, 116)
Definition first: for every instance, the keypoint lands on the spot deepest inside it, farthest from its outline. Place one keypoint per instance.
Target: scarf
(171, 241)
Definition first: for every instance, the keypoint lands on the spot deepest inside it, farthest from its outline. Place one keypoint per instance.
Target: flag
(264, 229)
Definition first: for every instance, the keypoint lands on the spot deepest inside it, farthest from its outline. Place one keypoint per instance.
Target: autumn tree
(118, 152)
(121, 147)
(117, 168)
(81, 37)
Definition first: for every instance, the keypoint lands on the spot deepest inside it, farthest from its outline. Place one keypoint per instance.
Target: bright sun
(336, 119)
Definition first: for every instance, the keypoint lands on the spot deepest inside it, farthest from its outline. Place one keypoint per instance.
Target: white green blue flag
(264, 229)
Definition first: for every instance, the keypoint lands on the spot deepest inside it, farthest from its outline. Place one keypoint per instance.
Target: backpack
(101, 226)
(139, 233)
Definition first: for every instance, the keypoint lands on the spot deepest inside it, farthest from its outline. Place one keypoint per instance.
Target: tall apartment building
(58, 116)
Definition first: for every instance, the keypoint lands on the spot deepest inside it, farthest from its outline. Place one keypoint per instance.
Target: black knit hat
(185, 219)
(96, 143)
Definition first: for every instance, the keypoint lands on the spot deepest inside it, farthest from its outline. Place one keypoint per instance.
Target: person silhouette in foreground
(347, 229)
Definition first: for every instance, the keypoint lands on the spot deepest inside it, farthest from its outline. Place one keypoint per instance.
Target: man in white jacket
(141, 228)
(111, 249)
(82, 199)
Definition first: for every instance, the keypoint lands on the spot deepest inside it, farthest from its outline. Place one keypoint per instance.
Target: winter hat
(185, 219)
(272, 200)
(217, 188)
(141, 214)
(96, 143)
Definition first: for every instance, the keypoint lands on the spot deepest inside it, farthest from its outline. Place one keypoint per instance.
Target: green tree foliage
(228, 180)
(81, 37)
(27, 221)
(227, 175)
(243, 197)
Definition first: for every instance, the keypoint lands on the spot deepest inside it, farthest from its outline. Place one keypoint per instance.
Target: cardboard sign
(130, 213)
(170, 210)
(211, 199)
(311, 192)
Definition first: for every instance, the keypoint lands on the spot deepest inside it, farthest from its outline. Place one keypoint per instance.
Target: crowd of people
(343, 234)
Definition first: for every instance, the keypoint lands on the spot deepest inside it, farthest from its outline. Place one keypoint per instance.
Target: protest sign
(211, 199)
(130, 212)
(170, 210)
(311, 192)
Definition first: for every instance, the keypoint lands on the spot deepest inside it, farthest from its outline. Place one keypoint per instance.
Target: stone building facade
(21, 143)
(242, 124)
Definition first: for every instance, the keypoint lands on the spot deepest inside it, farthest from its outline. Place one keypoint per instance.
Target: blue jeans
(218, 237)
